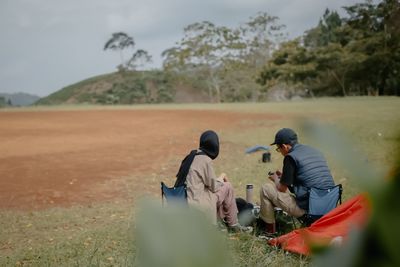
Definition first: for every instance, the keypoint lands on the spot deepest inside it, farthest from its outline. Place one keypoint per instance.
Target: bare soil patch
(63, 158)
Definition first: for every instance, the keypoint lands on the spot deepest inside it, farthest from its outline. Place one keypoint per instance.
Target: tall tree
(376, 35)
(327, 30)
(139, 59)
(120, 41)
(260, 34)
(227, 58)
(356, 55)
(291, 64)
(200, 50)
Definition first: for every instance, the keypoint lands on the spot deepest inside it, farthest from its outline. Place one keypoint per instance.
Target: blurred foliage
(3, 102)
(176, 236)
(377, 245)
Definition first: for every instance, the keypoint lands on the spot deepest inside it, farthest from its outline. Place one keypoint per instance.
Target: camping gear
(178, 193)
(247, 212)
(334, 225)
(320, 202)
(266, 157)
(256, 148)
(249, 193)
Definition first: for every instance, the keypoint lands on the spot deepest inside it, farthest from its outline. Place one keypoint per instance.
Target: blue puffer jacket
(312, 170)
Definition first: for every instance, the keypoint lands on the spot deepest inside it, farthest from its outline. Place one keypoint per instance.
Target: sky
(49, 44)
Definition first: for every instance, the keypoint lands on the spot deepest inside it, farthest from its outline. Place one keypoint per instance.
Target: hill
(129, 87)
(19, 99)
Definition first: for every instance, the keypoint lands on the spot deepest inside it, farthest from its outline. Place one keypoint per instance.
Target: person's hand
(275, 176)
(223, 177)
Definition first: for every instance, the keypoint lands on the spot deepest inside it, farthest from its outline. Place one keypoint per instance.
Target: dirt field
(62, 158)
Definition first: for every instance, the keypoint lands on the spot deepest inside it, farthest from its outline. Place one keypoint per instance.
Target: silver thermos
(249, 193)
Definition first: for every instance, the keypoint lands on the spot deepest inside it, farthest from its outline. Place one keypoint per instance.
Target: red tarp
(354, 213)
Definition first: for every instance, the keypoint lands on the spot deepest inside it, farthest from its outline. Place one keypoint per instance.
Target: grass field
(102, 233)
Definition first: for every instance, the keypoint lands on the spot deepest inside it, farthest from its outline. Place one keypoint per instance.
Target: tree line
(4, 102)
(355, 55)
(358, 54)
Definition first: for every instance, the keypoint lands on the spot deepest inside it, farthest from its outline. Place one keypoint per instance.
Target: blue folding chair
(320, 202)
(173, 194)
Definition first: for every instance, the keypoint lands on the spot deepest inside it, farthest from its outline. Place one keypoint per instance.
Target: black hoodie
(209, 145)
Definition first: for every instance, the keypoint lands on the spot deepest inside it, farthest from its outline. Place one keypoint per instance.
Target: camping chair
(320, 202)
(173, 194)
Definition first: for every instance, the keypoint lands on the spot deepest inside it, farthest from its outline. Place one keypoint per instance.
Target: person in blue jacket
(304, 167)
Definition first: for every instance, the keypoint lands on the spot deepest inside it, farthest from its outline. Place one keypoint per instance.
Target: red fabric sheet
(354, 213)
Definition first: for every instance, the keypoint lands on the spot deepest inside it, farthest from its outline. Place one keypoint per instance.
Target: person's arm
(210, 179)
(276, 178)
(288, 172)
(281, 187)
(223, 177)
(285, 179)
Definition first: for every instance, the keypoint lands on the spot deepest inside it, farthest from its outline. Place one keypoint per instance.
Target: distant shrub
(3, 102)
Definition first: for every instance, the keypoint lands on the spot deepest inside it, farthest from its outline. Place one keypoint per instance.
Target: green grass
(96, 89)
(78, 236)
(102, 234)
(65, 93)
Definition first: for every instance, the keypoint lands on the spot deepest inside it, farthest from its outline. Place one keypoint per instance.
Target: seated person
(205, 190)
(303, 167)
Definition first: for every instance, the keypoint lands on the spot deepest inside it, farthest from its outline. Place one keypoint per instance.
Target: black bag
(246, 215)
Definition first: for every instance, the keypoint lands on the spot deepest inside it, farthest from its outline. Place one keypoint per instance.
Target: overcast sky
(48, 44)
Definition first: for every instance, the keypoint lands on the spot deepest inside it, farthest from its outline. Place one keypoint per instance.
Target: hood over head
(209, 143)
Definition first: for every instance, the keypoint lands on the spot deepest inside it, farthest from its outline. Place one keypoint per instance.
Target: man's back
(312, 168)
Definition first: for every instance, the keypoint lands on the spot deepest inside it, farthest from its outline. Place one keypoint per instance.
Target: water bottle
(249, 193)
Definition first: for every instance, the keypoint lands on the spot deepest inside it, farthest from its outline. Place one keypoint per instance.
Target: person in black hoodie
(212, 194)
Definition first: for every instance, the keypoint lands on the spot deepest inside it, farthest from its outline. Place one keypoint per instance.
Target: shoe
(268, 235)
(266, 229)
(237, 228)
(222, 226)
(265, 237)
